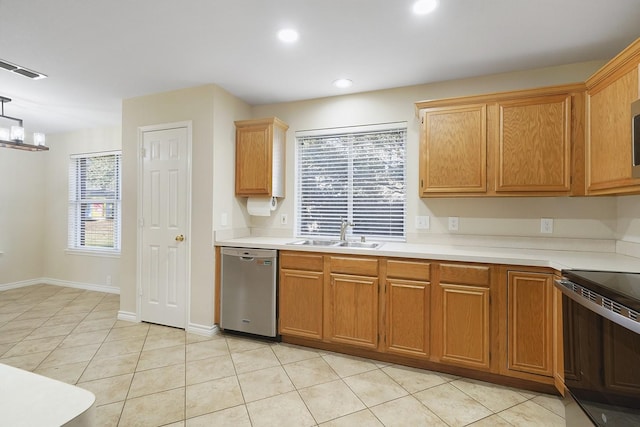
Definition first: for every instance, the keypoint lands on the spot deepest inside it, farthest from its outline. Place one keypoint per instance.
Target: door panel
(164, 219)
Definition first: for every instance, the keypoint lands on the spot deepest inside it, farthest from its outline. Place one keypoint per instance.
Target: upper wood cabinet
(534, 145)
(260, 157)
(453, 150)
(610, 92)
(528, 142)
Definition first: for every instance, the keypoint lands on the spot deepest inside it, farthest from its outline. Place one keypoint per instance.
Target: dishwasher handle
(249, 254)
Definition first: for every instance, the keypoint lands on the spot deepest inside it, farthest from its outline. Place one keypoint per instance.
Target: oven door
(602, 366)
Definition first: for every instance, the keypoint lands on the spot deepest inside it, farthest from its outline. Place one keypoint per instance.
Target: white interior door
(165, 221)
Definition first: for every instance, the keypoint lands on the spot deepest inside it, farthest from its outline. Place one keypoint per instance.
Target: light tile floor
(150, 375)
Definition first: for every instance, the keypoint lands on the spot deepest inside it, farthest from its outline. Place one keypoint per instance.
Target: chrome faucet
(343, 228)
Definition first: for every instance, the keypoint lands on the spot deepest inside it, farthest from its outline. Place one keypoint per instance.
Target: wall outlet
(453, 223)
(223, 219)
(284, 219)
(546, 225)
(108, 281)
(422, 222)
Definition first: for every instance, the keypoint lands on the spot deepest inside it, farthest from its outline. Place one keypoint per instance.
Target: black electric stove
(601, 340)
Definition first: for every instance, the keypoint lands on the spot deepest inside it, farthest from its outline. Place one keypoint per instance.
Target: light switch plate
(453, 223)
(422, 222)
(546, 225)
(283, 219)
(223, 219)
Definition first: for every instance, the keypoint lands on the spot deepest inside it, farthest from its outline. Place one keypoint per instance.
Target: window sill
(89, 252)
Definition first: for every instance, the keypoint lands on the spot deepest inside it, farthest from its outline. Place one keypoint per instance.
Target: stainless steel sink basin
(337, 243)
(314, 242)
(366, 245)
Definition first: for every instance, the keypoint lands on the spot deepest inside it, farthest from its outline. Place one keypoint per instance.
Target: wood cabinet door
(300, 299)
(253, 160)
(609, 135)
(465, 326)
(534, 145)
(453, 150)
(530, 322)
(407, 304)
(353, 310)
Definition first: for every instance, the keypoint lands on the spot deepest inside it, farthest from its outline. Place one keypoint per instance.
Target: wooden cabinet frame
(559, 144)
(369, 305)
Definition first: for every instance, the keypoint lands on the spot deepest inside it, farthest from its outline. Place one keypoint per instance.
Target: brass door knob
(180, 238)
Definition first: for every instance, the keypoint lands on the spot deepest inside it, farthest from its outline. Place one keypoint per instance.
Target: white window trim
(349, 130)
(93, 251)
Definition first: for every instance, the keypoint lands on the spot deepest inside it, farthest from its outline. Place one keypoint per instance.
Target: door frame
(139, 145)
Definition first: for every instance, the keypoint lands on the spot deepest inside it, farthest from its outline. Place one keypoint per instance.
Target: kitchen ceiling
(98, 52)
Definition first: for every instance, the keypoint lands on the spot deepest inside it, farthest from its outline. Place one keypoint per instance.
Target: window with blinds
(355, 173)
(94, 202)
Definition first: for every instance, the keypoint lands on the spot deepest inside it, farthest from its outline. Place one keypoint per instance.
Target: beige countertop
(556, 259)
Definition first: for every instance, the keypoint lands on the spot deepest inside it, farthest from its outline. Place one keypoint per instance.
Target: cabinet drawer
(411, 270)
(353, 265)
(464, 274)
(301, 261)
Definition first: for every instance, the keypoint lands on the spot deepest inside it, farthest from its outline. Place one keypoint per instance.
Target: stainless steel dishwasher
(248, 291)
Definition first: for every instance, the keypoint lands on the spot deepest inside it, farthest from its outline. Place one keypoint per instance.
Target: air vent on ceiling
(21, 70)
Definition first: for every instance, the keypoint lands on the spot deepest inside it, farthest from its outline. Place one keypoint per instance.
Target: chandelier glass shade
(13, 136)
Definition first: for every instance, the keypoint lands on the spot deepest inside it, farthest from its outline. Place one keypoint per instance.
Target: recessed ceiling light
(288, 35)
(423, 7)
(342, 83)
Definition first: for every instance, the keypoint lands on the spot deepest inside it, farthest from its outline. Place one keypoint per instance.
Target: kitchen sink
(314, 242)
(366, 245)
(337, 243)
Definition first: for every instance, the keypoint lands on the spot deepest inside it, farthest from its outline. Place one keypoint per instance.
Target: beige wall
(202, 106)
(60, 265)
(22, 215)
(628, 227)
(227, 109)
(573, 217)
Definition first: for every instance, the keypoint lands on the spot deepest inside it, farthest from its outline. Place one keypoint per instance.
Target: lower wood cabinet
(408, 308)
(464, 330)
(461, 316)
(530, 314)
(353, 310)
(301, 303)
(300, 295)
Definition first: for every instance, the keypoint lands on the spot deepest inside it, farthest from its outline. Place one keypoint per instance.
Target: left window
(94, 202)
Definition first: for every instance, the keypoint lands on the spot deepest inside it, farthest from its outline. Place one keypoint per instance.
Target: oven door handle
(598, 304)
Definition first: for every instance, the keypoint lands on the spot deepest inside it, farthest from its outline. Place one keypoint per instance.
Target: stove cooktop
(621, 287)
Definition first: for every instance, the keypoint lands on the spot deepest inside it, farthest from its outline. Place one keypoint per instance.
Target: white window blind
(94, 202)
(355, 173)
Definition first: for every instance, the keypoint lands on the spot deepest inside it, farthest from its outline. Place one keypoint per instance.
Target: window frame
(352, 133)
(75, 210)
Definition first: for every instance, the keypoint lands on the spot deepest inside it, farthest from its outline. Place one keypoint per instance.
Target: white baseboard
(79, 285)
(56, 282)
(207, 331)
(128, 316)
(21, 284)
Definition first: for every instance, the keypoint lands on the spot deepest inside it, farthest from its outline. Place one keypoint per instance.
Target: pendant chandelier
(13, 137)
